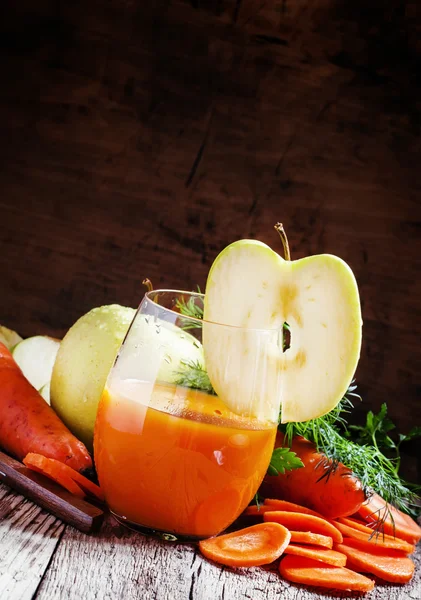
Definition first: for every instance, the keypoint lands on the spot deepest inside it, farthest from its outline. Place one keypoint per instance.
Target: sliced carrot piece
(60, 472)
(390, 565)
(330, 557)
(290, 506)
(302, 522)
(395, 522)
(256, 511)
(62, 479)
(300, 569)
(369, 538)
(257, 545)
(355, 525)
(316, 539)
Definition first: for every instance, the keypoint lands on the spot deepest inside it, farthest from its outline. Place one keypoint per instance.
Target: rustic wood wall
(139, 138)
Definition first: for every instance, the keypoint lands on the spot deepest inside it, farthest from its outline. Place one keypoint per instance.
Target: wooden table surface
(43, 559)
(138, 139)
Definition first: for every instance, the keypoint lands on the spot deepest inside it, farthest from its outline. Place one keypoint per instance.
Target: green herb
(375, 470)
(257, 500)
(190, 309)
(283, 459)
(192, 374)
(376, 432)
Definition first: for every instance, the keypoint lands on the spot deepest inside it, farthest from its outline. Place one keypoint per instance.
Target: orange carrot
(370, 539)
(257, 511)
(315, 539)
(395, 522)
(61, 478)
(330, 557)
(257, 545)
(29, 424)
(290, 506)
(311, 572)
(61, 473)
(303, 522)
(390, 565)
(331, 492)
(355, 524)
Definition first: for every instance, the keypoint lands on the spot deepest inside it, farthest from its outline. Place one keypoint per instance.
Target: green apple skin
(9, 337)
(88, 352)
(85, 357)
(254, 291)
(36, 356)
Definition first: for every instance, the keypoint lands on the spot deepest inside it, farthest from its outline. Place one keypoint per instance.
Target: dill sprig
(192, 374)
(375, 470)
(190, 309)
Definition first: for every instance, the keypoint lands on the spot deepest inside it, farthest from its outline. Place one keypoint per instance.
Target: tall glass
(173, 458)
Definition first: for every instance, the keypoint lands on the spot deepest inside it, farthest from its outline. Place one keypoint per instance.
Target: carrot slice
(390, 565)
(290, 506)
(60, 478)
(395, 522)
(300, 521)
(300, 569)
(331, 557)
(61, 473)
(355, 525)
(257, 545)
(316, 539)
(369, 538)
(256, 511)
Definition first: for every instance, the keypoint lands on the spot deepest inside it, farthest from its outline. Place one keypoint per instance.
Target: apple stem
(148, 284)
(280, 229)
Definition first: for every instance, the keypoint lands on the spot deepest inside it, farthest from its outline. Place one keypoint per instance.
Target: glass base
(166, 536)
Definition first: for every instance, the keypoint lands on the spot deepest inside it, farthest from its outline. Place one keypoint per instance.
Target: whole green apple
(88, 351)
(84, 359)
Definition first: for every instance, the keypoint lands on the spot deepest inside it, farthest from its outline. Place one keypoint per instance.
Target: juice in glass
(177, 460)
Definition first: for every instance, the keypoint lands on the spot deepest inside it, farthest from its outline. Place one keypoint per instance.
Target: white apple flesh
(250, 286)
(35, 356)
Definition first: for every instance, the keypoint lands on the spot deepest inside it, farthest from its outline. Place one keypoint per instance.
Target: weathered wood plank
(28, 539)
(121, 564)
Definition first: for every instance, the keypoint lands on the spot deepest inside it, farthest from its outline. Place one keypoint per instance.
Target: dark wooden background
(138, 138)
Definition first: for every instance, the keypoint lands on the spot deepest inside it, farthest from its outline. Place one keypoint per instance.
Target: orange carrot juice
(177, 460)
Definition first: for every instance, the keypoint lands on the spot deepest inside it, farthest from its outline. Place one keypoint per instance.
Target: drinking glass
(173, 457)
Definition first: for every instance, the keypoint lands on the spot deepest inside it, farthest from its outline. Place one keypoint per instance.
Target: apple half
(254, 291)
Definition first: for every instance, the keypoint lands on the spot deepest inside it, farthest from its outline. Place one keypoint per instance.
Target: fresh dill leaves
(192, 309)
(375, 470)
(192, 374)
(283, 459)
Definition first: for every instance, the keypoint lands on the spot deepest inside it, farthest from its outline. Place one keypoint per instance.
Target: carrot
(60, 478)
(370, 539)
(395, 522)
(257, 511)
(289, 506)
(29, 424)
(302, 522)
(315, 539)
(390, 565)
(257, 545)
(60, 472)
(330, 557)
(332, 492)
(311, 572)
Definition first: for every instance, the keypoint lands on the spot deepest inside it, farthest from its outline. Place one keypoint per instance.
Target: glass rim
(197, 320)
